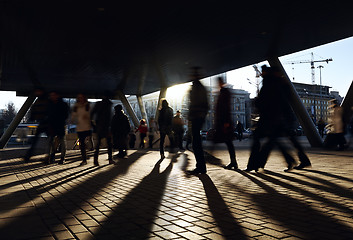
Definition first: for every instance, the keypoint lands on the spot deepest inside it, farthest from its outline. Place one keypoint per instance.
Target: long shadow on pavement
(296, 215)
(328, 174)
(134, 217)
(228, 225)
(92, 185)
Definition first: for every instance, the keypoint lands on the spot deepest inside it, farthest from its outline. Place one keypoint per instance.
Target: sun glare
(177, 92)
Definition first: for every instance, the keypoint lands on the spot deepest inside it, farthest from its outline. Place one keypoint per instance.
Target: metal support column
(142, 107)
(298, 108)
(128, 107)
(13, 125)
(347, 105)
(162, 94)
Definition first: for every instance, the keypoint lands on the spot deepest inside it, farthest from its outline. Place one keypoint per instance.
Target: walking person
(38, 114)
(81, 117)
(178, 129)
(102, 115)
(120, 128)
(239, 129)
(165, 118)
(336, 128)
(198, 110)
(223, 122)
(152, 130)
(58, 112)
(142, 129)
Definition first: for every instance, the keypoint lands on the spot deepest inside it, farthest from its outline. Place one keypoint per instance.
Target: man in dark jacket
(178, 129)
(102, 114)
(198, 110)
(224, 125)
(165, 118)
(58, 112)
(120, 128)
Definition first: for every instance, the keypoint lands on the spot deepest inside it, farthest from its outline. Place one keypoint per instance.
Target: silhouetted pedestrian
(38, 114)
(178, 129)
(81, 117)
(198, 110)
(102, 114)
(58, 112)
(165, 118)
(120, 128)
(152, 130)
(335, 137)
(321, 127)
(223, 122)
(239, 128)
(142, 129)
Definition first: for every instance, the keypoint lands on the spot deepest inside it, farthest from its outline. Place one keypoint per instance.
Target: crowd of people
(276, 120)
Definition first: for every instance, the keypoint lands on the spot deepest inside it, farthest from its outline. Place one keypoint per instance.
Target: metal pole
(142, 107)
(298, 108)
(13, 125)
(320, 92)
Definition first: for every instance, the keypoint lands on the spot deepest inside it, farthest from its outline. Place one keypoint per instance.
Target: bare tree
(9, 113)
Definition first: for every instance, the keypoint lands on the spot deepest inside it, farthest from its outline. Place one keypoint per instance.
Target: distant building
(315, 99)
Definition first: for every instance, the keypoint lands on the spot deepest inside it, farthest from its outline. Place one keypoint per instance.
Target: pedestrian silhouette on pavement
(102, 114)
(198, 110)
(178, 129)
(81, 117)
(223, 122)
(58, 112)
(165, 118)
(120, 128)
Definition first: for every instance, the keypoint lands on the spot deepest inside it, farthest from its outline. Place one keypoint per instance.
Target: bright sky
(336, 74)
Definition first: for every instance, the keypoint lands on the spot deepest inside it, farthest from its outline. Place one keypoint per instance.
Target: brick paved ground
(144, 198)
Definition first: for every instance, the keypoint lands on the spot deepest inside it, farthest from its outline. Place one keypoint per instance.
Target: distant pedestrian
(321, 127)
(188, 136)
(165, 118)
(58, 112)
(336, 128)
(223, 122)
(198, 110)
(152, 130)
(81, 117)
(102, 114)
(142, 129)
(38, 114)
(178, 130)
(239, 128)
(120, 128)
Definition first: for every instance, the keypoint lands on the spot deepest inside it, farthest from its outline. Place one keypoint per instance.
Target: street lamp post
(320, 92)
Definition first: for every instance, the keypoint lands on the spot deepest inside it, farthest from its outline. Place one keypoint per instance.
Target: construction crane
(312, 61)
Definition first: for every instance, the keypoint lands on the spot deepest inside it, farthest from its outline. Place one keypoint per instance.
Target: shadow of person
(135, 215)
(228, 225)
(296, 215)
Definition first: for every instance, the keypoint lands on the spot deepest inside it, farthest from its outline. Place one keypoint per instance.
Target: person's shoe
(111, 161)
(302, 165)
(96, 163)
(290, 167)
(62, 161)
(83, 163)
(162, 156)
(196, 171)
(231, 166)
(260, 170)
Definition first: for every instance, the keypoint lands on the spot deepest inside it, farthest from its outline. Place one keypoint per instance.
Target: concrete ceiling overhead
(138, 47)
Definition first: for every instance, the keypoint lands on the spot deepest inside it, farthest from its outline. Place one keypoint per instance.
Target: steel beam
(142, 107)
(128, 107)
(19, 116)
(298, 107)
(162, 94)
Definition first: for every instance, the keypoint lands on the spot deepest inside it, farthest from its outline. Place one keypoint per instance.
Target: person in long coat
(165, 118)
(223, 124)
(120, 128)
